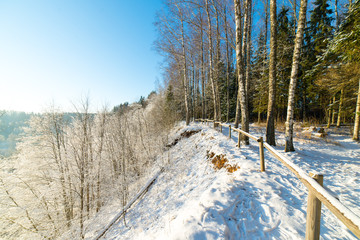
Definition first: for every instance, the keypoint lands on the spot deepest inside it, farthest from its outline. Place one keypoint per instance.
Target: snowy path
(191, 200)
(337, 157)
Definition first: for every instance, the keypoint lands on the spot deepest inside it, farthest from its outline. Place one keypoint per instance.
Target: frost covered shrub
(69, 166)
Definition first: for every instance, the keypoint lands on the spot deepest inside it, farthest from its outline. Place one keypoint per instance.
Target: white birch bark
(211, 70)
(185, 77)
(240, 49)
(289, 146)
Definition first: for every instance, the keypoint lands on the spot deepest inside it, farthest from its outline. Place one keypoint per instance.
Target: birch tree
(289, 146)
(211, 64)
(240, 50)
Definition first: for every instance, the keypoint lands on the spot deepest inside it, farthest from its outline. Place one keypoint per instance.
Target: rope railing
(314, 183)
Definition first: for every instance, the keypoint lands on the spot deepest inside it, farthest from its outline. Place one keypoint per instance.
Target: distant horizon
(78, 104)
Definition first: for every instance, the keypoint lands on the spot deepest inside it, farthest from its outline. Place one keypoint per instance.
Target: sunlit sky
(61, 51)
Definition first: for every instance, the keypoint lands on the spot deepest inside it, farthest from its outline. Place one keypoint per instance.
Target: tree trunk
(211, 72)
(340, 107)
(357, 116)
(270, 122)
(218, 57)
(248, 59)
(239, 57)
(185, 77)
(203, 105)
(337, 19)
(333, 111)
(227, 67)
(329, 115)
(240, 63)
(289, 146)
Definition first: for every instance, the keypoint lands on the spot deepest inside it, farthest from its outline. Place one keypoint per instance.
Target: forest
(244, 61)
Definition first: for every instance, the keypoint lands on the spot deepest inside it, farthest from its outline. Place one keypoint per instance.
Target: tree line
(243, 60)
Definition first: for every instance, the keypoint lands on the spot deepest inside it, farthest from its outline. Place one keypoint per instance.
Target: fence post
(261, 153)
(220, 128)
(214, 125)
(313, 212)
(239, 139)
(229, 131)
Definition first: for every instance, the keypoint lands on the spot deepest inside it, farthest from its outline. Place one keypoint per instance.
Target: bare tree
(211, 67)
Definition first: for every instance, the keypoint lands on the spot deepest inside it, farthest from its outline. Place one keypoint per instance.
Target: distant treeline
(12, 125)
(11, 128)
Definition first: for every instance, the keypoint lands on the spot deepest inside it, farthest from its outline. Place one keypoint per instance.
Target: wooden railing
(314, 182)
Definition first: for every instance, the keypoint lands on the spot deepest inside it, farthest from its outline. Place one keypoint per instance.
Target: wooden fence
(314, 182)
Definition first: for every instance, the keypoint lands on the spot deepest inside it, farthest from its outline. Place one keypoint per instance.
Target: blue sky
(64, 50)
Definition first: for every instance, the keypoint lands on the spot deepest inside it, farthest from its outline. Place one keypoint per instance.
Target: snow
(192, 200)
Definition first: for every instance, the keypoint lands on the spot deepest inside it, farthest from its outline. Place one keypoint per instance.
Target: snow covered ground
(192, 200)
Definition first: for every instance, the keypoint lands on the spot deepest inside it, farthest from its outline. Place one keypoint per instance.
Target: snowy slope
(192, 200)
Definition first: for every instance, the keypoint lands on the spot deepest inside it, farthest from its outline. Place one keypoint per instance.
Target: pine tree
(317, 36)
(347, 44)
(260, 67)
(285, 47)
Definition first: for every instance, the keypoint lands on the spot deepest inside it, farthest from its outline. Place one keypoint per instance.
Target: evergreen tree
(317, 36)
(285, 42)
(347, 44)
(260, 73)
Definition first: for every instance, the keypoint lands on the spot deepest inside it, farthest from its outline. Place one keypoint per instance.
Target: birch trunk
(211, 70)
(185, 77)
(357, 116)
(270, 121)
(227, 67)
(248, 58)
(289, 146)
(218, 57)
(203, 105)
(239, 59)
(239, 56)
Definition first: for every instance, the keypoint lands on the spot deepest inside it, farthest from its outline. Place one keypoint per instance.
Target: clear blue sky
(63, 50)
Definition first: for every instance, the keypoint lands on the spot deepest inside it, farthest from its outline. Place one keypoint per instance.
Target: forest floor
(193, 200)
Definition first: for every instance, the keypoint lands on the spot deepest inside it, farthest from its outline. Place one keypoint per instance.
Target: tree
(346, 43)
(289, 146)
(318, 33)
(285, 47)
(240, 50)
(270, 121)
(259, 89)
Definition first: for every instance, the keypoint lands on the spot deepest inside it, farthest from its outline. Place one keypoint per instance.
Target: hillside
(192, 200)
